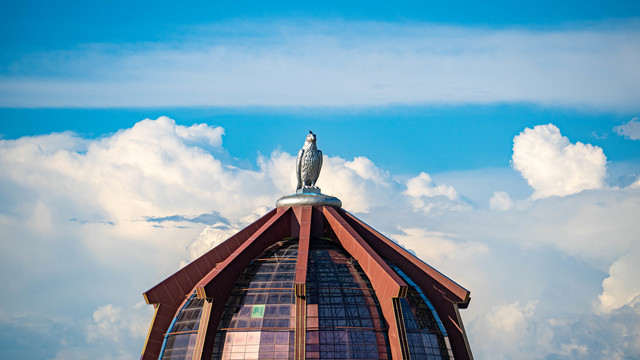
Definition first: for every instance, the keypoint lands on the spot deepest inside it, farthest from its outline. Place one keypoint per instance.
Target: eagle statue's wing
(319, 163)
(299, 169)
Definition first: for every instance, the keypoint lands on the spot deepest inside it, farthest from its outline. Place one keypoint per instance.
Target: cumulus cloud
(438, 249)
(622, 287)
(630, 130)
(366, 169)
(339, 63)
(113, 323)
(107, 323)
(520, 331)
(600, 336)
(276, 167)
(501, 201)
(201, 134)
(504, 327)
(553, 166)
(422, 185)
(105, 208)
(428, 196)
(598, 227)
(510, 318)
(210, 237)
(359, 184)
(159, 160)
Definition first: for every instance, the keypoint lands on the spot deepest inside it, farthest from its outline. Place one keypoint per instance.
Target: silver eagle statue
(308, 163)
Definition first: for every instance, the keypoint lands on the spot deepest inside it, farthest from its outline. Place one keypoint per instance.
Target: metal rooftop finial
(308, 165)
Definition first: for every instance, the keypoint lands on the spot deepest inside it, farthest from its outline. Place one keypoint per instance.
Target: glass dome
(343, 315)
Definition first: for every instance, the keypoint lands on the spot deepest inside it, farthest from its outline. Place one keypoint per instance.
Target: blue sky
(500, 141)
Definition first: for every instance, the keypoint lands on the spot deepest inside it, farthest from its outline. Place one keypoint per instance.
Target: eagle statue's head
(311, 138)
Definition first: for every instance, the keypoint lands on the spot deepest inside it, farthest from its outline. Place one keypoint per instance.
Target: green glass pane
(258, 311)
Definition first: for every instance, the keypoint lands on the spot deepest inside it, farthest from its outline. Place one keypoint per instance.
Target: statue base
(308, 198)
(309, 190)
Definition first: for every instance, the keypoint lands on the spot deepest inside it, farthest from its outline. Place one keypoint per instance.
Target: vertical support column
(301, 279)
(402, 331)
(202, 329)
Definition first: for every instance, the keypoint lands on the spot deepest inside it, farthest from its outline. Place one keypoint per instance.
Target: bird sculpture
(308, 164)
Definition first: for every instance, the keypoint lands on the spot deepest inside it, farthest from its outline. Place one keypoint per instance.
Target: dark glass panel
(343, 314)
(257, 322)
(426, 337)
(179, 342)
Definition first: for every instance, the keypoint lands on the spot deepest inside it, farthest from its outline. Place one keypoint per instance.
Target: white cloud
(422, 185)
(438, 249)
(359, 184)
(366, 169)
(630, 130)
(504, 327)
(201, 134)
(210, 237)
(510, 318)
(599, 336)
(113, 323)
(276, 167)
(501, 201)
(108, 323)
(622, 287)
(340, 63)
(429, 197)
(595, 226)
(519, 331)
(553, 166)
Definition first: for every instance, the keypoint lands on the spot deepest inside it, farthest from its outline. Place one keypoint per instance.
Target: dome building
(308, 280)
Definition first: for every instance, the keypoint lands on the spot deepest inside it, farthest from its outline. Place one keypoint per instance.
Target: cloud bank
(339, 63)
(89, 224)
